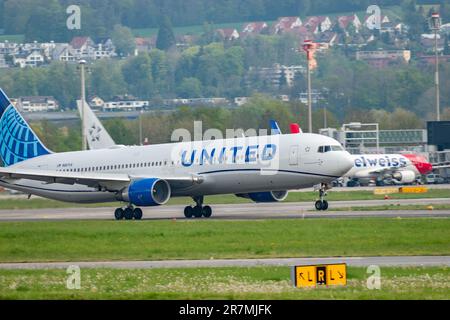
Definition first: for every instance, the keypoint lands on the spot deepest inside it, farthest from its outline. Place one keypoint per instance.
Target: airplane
(260, 168)
(404, 168)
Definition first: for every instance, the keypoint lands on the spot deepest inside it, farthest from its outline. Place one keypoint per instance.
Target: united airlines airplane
(405, 168)
(260, 168)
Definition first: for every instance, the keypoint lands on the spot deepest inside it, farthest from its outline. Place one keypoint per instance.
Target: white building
(125, 103)
(32, 59)
(37, 104)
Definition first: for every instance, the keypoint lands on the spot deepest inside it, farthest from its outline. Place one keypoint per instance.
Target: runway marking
(276, 262)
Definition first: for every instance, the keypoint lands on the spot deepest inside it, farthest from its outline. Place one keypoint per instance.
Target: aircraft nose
(345, 163)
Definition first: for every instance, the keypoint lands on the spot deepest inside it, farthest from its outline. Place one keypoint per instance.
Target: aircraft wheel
(198, 212)
(128, 214)
(318, 205)
(189, 212)
(207, 211)
(137, 213)
(118, 214)
(325, 205)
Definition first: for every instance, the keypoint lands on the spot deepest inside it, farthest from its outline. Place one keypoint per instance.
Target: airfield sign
(319, 275)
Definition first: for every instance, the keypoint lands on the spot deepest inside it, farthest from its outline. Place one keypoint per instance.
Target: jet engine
(147, 192)
(404, 176)
(270, 196)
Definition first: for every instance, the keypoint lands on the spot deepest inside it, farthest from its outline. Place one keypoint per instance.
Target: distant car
(353, 183)
(338, 183)
(434, 179)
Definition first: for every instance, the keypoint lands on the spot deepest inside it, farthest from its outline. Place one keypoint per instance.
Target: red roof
(254, 27)
(344, 21)
(79, 42)
(227, 33)
(285, 23)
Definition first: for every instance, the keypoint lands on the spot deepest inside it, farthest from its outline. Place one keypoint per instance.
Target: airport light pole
(83, 99)
(140, 128)
(309, 48)
(435, 25)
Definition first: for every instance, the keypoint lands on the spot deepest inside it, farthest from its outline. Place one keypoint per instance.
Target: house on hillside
(83, 47)
(428, 43)
(371, 21)
(32, 59)
(228, 34)
(64, 52)
(104, 49)
(125, 103)
(95, 102)
(318, 24)
(302, 33)
(285, 24)
(254, 28)
(3, 63)
(326, 40)
(384, 58)
(347, 22)
(37, 104)
(144, 45)
(8, 48)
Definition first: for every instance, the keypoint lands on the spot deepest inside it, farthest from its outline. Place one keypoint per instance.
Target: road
(351, 261)
(246, 211)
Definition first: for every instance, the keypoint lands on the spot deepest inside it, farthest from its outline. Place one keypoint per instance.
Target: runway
(277, 262)
(247, 211)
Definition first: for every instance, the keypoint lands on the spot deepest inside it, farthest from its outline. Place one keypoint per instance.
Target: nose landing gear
(322, 204)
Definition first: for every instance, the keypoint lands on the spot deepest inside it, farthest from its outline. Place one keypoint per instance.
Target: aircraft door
(293, 156)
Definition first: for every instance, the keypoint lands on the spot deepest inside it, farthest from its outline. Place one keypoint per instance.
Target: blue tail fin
(275, 128)
(18, 142)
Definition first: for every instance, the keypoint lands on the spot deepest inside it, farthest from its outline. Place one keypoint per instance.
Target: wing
(102, 181)
(379, 171)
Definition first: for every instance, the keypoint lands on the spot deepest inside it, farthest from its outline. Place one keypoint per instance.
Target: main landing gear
(129, 213)
(322, 204)
(199, 210)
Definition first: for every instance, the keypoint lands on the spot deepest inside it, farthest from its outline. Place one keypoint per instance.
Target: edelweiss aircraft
(404, 168)
(260, 168)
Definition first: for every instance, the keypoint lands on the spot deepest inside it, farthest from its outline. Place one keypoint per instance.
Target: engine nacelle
(270, 196)
(147, 192)
(405, 176)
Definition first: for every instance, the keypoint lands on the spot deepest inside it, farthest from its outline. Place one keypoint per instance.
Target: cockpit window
(337, 148)
(323, 149)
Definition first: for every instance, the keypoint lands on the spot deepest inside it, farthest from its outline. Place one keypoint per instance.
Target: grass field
(38, 203)
(182, 239)
(16, 38)
(220, 283)
(394, 207)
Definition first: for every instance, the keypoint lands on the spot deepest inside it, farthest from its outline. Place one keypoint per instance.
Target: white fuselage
(229, 166)
(369, 165)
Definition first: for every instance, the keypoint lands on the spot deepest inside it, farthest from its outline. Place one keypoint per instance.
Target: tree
(137, 73)
(190, 88)
(123, 40)
(166, 37)
(447, 46)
